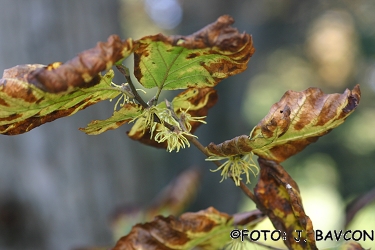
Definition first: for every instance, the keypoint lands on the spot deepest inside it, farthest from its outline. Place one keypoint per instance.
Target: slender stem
(125, 71)
(248, 192)
(196, 143)
(158, 94)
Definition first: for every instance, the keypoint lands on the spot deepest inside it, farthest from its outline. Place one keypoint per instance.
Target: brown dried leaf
(207, 229)
(278, 197)
(294, 122)
(82, 71)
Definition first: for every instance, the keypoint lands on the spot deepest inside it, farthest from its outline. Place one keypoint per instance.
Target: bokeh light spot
(167, 14)
(332, 46)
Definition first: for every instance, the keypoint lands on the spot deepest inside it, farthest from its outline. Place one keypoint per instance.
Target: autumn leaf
(119, 118)
(31, 95)
(207, 229)
(82, 71)
(24, 106)
(195, 101)
(198, 60)
(294, 122)
(278, 197)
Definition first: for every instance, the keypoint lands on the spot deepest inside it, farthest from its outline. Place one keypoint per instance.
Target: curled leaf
(31, 95)
(278, 196)
(199, 60)
(82, 71)
(23, 106)
(207, 229)
(294, 122)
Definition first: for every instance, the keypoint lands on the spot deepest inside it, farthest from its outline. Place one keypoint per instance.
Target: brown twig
(125, 71)
(248, 192)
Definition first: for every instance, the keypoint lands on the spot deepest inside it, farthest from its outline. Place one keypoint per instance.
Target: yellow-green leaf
(120, 117)
(31, 95)
(23, 106)
(294, 122)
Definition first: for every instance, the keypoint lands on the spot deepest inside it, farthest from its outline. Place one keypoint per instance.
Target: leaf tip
(353, 99)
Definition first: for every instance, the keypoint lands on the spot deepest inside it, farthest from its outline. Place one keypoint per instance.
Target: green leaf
(23, 106)
(120, 117)
(199, 60)
(294, 122)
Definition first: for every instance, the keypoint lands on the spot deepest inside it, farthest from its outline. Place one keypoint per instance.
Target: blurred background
(59, 186)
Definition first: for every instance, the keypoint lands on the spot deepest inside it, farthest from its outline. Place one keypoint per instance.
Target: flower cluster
(175, 138)
(235, 166)
(187, 119)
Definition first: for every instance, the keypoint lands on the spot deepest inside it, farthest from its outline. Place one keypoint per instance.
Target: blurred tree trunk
(58, 185)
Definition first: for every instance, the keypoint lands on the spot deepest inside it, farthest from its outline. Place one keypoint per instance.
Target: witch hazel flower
(235, 166)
